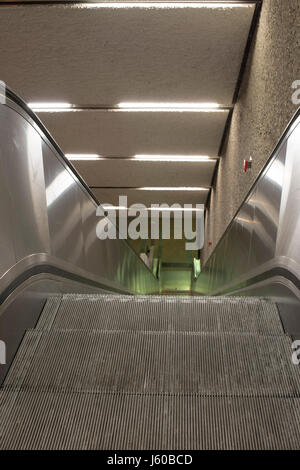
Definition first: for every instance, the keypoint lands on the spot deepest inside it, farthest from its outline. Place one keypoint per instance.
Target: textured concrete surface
(130, 133)
(263, 111)
(136, 196)
(131, 173)
(103, 55)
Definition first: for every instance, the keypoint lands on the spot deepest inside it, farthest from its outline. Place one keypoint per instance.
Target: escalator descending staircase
(122, 372)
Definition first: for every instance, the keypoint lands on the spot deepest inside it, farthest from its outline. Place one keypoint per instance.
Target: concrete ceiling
(103, 56)
(128, 134)
(102, 173)
(111, 196)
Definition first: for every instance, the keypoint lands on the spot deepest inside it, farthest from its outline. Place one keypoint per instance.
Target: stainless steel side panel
(264, 235)
(64, 211)
(48, 218)
(22, 159)
(8, 257)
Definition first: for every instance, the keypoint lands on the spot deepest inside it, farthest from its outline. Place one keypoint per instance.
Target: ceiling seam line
(157, 109)
(76, 2)
(150, 188)
(133, 159)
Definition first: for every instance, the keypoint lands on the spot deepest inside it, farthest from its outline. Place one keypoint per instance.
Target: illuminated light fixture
(160, 209)
(164, 5)
(174, 158)
(171, 110)
(83, 156)
(107, 207)
(169, 107)
(170, 188)
(40, 107)
(170, 209)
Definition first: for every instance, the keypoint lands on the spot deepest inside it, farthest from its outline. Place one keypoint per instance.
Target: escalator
(122, 372)
(96, 358)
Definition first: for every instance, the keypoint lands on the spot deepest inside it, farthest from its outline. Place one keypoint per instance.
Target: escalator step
(156, 362)
(50, 420)
(49, 312)
(110, 312)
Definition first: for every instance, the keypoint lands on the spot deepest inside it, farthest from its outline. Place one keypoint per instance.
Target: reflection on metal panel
(48, 218)
(7, 257)
(288, 242)
(21, 153)
(265, 233)
(63, 207)
(267, 206)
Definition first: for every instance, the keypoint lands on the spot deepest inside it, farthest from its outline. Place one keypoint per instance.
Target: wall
(261, 114)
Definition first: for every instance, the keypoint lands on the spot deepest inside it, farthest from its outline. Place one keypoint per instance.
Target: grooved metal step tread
(49, 312)
(109, 312)
(49, 420)
(144, 362)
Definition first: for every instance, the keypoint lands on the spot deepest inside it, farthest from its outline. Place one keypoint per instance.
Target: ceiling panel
(111, 196)
(117, 172)
(102, 55)
(131, 133)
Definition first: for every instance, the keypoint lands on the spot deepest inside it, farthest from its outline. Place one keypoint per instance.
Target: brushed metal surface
(48, 231)
(64, 215)
(288, 242)
(21, 155)
(167, 313)
(8, 257)
(211, 373)
(264, 234)
(49, 218)
(208, 363)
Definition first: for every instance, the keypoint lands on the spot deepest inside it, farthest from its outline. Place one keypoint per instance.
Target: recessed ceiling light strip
(168, 5)
(83, 156)
(143, 158)
(134, 4)
(154, 209)
(167, 105)
(174, 158)
(61, 107)
(153, 188)
(176, 188)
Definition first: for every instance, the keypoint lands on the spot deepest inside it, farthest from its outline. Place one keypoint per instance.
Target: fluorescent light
(83, 156)
(169, 107)
(161, 209)
(173, 158)
(170, 209)
(170, 188)
(170, 110)
(164, 5)
(145, 158)
(107, 207)
(49, 106)
(42, 107)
